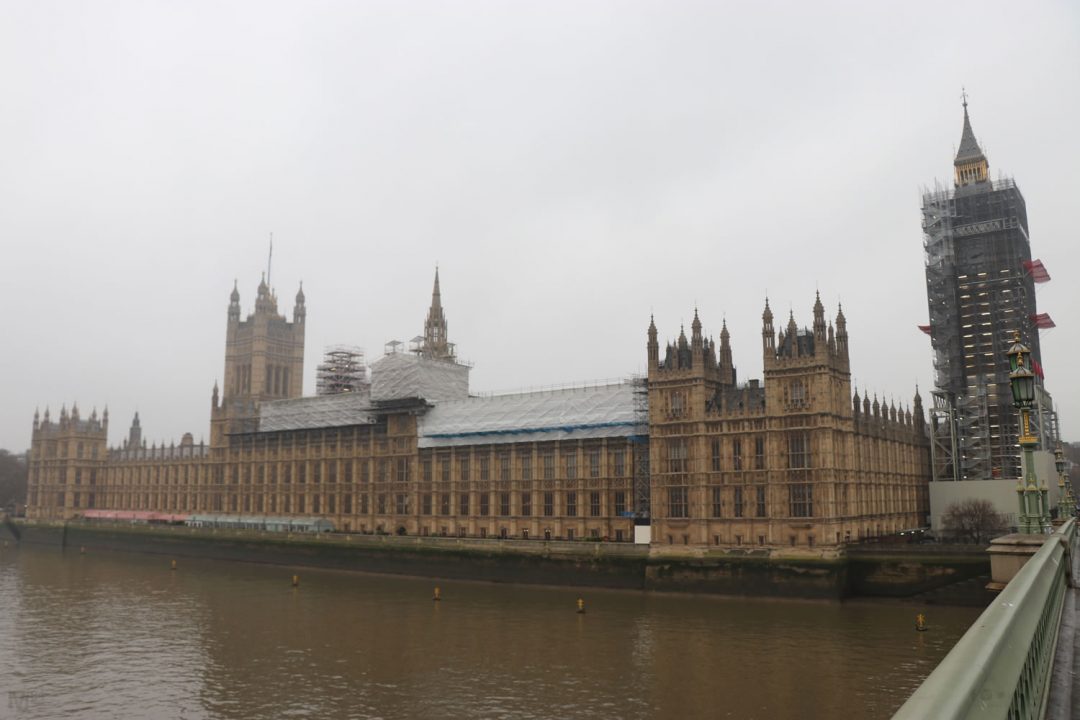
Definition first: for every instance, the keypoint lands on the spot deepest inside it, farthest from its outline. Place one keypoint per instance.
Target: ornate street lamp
(1034, 510)
(1066, 501)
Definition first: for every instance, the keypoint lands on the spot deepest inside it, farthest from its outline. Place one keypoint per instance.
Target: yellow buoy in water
(438, 595)
(172, 565)
(581, 606)
(296, 581)
(920, 622)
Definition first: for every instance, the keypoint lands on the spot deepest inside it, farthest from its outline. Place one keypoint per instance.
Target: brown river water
(116, 635)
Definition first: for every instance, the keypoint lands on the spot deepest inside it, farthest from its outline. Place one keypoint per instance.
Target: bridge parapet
(1001, 667)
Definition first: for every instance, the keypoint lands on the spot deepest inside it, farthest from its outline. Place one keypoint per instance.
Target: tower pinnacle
(436, 344)
(653, 346)
(819, 319)
(970, 163)
(768, 335)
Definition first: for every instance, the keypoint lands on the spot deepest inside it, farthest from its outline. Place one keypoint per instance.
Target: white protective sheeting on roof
(315, 412)
(398, 376)
(595, 412)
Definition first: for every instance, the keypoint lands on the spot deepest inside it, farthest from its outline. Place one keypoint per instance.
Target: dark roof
(321, 411)
(803, 338)
(750, 397)
(969, 147)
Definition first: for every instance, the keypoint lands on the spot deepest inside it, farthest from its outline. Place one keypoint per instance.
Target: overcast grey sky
(571, 166)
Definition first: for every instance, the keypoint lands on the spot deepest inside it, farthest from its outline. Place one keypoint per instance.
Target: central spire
(436, 295)
(436, 345)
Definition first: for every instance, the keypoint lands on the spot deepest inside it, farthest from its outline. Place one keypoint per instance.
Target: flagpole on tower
(269, 259)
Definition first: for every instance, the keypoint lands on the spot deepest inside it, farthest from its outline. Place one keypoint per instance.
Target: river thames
(123, 636)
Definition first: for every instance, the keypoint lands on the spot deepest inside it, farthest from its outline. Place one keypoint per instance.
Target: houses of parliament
(687, 456)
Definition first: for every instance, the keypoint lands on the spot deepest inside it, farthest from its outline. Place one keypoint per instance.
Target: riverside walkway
(1021, 658)
(1063, 702)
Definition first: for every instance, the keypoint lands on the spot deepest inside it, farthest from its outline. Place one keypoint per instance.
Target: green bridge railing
(1001, 667)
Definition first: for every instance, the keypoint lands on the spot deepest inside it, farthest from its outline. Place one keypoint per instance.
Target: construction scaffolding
(938, 214)
(577, 413)
(399, 376)
(342, 370)
(944, 437)
(640, 440)
(337, 410)
(1044, 420)
(980, 291)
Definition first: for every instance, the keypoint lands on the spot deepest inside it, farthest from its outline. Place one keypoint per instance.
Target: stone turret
(653, 346)
(135, 433)
(768, 334)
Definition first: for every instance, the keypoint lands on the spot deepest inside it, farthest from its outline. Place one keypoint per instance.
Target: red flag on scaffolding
(1037, 270)
(925, 329)
(1037, 368)
(1042, 321)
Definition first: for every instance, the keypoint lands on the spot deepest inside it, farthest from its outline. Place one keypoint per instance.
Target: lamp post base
(1008, 554)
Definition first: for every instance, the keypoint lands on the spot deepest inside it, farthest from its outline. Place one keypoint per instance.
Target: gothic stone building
(796, 460)
(415, 454)
(790, 461)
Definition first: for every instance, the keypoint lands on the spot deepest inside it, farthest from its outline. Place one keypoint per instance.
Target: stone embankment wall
(874, 571)
(923, 570)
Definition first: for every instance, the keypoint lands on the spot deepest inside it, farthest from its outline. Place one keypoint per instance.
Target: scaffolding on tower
(980, 282)
(640, 440)
(343, 370)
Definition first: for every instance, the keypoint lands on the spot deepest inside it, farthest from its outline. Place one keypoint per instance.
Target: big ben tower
(980, 284)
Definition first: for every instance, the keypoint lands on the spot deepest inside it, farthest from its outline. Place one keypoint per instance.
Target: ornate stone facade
(67, 463)
(793, 461)
(264, 360)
